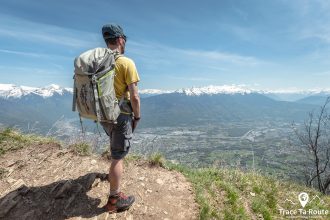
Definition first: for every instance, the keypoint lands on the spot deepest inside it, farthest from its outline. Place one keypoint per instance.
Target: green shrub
(157, 159)
(82, 148)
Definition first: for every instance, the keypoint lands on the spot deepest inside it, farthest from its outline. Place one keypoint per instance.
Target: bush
(157, 159)
(82, 148)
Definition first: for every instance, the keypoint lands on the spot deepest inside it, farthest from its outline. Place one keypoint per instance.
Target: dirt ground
(44, 182)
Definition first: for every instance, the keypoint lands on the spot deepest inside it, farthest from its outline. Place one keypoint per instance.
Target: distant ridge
(13, 91)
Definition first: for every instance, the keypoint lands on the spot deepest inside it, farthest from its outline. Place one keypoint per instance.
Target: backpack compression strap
(122, 99)
(96, 97)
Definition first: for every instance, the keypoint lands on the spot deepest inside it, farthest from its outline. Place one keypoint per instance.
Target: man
(126, 80)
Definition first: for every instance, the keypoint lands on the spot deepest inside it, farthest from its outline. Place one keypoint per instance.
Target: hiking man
(120, 134)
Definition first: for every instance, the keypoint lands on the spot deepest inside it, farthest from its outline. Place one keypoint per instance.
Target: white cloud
(221, 57)
(21, 53)
(34, 54)
(37, 32)
(154, 52)
(314, 19)
(198, 79)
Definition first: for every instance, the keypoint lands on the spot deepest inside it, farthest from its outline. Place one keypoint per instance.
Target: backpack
(93, 92)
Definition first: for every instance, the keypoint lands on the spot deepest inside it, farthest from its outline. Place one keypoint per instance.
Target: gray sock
(114, 192)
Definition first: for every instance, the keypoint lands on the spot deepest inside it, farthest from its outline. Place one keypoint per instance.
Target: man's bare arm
(135, 99)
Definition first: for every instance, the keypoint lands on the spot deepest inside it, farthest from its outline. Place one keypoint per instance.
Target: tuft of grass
(133, 157)
(156, 159)
(3, 172)
(106, 154)
(81, 148)
(259, 206)
(11, 140)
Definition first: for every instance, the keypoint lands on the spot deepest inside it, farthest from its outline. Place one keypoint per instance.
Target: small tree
(316, 142)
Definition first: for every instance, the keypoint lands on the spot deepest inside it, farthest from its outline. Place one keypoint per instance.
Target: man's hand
(134, 123)
(135, 101)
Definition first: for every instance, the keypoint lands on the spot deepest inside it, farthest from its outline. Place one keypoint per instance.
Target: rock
(65, 187)
(93, 162)
(33, 214)
(10, 180)
(17, 184)
(90, 178)
(103, 216)
(142, 184)
(252, 194)
(149, 191)
(23, 190)
(8, 202)
(70, 200)
(165, 212)
(159, 181)
(112, 216)
(96, 183)
(130, 217)
(141, 178)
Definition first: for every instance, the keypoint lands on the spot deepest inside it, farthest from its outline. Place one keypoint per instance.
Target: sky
(262, 44)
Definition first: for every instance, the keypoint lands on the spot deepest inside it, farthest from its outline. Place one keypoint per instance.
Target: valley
(271, 148)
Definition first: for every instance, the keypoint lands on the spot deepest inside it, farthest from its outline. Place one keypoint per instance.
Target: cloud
(21, 53)
(156, 53)
(314, 19)
(319, 31)
(192, 78)
(221, 57)
(30, 31)
(25, 70)
(34, 54)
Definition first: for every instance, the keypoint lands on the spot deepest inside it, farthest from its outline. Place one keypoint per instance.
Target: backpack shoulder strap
(117, 54)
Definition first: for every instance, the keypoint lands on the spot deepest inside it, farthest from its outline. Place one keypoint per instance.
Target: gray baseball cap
(112, 31)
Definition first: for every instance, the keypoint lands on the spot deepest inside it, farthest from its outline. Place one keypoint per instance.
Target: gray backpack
(93, 91)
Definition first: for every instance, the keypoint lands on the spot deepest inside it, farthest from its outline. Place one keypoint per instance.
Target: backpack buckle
(94, 79)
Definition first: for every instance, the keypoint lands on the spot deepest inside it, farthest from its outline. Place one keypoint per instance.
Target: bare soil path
(44, 182)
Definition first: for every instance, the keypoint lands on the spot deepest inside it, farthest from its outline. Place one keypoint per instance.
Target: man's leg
(118, 201)
(115, 173)
(120, 144)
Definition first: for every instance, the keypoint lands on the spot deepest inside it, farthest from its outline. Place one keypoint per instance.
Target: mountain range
(23, 106)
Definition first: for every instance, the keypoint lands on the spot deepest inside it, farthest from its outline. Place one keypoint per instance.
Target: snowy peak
(213, 90)
(13, 91)
(154, 91)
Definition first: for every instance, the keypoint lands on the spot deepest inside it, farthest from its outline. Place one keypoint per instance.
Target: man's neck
(115, 48)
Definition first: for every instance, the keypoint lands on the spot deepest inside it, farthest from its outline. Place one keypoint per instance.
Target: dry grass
(11, 140)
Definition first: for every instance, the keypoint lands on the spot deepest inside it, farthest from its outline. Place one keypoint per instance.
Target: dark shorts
(120, 136)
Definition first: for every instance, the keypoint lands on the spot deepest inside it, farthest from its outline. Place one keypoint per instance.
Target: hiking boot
(119, 202)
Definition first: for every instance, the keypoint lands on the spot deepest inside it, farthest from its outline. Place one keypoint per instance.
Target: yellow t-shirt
(126, 74)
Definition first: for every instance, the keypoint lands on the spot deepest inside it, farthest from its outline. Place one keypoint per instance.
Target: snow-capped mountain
(22, 105)
(314, 96)
(13, 91)
(213, 90)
